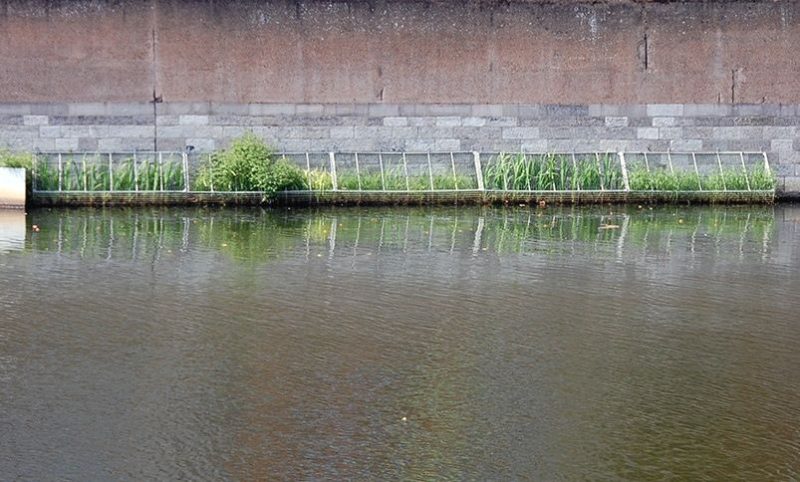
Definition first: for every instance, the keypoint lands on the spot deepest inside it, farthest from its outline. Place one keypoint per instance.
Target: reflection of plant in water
(262, 235)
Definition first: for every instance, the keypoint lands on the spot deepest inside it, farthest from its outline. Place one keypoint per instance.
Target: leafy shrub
(249, 165)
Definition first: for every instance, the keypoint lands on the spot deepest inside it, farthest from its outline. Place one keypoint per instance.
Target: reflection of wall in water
(12, 230)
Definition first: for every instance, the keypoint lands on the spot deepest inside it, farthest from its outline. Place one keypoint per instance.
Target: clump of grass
(249, 165)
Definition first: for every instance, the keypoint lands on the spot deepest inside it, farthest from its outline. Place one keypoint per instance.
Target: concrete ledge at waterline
(12, 187)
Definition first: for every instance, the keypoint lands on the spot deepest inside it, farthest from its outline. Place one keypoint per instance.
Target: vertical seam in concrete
(156, 98)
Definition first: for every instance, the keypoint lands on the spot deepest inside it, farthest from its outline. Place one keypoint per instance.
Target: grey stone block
(787, 110)
(670, 132)
(370, 132)
(520, 133)
(21, 132)
(421, 121)
(557, 132)
(167, 120)
(130, 131)
(193, 120)
(87, 144)
(647, 133)
(384, 110)
(476, 132)
(616, 121)
(510, 110)
(697, 110)
(487, 110)
(229, 108)
(698, 132)
(10, 120)
(172, 144)
(420, 145)
(748, 109)
(536, 146)
(438, 110)
(50, 109)
(560, 110)
(753, 121)
(272, 109)
(438, 132)
(404, 132)
(502, 121)
(87, 108)
(129, 108)
(450, 121)
(447, 145)
(67, 144)
(15, 109)
(782, 145)
(201, 144)
(395, 121)
(309, 109)
(665, 110)
(529, 111)
(48, 131)
(231, 132)
(473, 121)
(771, 132)
(342, 132)
(734, 133)
(183, 108)
(663, 121)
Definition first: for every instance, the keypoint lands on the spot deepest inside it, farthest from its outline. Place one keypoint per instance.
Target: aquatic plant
(728, 179)
(552, 172)
(249, 165)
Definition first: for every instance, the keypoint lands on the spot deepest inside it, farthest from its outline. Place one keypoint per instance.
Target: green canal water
(469, 343)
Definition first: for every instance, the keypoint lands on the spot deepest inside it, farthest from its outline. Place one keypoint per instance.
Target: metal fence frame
(478, 161)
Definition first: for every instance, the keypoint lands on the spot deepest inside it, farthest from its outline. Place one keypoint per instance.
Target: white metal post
(405, 170)
(721, 172)
(110, 172)
(135, 172)
(697, 172)
(744, 169)
(430, 170)
(60, 173)
(625, 181)
(358, 172)
(185, 159)
(476, 157)
(334, 179)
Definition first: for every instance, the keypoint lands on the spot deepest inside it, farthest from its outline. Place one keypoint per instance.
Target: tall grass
(757, 178)
(552, 172)
(95, 174)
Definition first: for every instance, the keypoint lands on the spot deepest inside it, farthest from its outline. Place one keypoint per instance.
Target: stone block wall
(203, 126)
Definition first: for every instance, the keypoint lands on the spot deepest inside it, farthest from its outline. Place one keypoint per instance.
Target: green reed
(757, 178)
(552, 172)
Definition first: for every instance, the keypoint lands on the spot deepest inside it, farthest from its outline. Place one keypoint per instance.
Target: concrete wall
(299, 51)
(411, 127)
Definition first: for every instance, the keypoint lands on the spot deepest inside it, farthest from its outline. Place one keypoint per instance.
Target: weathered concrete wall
(408, 127)
(246, 51)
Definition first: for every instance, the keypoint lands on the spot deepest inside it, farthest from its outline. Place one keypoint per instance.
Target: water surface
(449, 343)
